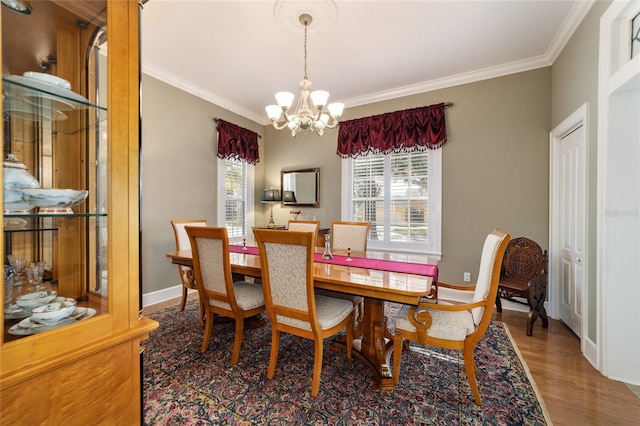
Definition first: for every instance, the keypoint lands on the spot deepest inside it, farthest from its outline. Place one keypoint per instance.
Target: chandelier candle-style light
(314, 117)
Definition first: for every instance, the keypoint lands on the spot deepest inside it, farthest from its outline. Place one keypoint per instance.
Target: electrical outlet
(467, 277)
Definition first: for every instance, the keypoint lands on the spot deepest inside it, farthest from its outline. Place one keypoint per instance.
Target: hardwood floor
(574, 392)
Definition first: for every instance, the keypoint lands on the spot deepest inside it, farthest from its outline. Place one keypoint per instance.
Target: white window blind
(399, 194)
(235, 207)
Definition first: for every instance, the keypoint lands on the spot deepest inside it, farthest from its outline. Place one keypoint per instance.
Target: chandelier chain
(312, 112)
(306, 25)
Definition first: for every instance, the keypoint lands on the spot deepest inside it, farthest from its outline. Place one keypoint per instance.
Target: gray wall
(179, 173)
(495, 165)
(574, 81)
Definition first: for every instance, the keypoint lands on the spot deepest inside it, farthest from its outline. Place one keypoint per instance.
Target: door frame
(578, 118)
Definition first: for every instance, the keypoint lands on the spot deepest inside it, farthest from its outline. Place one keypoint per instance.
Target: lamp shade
(271, 195)
(288, 197)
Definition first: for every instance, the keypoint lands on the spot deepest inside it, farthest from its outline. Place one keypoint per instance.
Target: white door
(571, 236)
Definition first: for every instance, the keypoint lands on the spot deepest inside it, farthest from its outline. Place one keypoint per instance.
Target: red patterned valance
(407, 130)
(237, 143)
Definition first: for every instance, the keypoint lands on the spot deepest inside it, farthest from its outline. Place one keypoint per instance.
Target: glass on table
(349, 259)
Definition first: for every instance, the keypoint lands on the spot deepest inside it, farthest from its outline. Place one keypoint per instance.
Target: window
(235, 211)
(400, 195)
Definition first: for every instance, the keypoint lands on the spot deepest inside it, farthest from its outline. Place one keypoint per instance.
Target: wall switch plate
(467, 277)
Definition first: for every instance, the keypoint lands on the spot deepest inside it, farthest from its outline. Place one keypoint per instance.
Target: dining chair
(218, 293)
(286, 260)
(454, 325)
(352, 235)
(182, 243)
(304, 225)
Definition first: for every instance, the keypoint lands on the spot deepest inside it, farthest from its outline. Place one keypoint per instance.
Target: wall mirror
(300, 187)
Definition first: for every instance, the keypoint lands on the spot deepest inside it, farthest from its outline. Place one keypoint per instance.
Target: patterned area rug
(185, 387)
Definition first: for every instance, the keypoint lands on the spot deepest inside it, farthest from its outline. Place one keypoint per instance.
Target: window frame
(434, 202)
(221, 200)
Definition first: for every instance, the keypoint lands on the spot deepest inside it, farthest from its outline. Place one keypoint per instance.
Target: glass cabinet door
(55, 165)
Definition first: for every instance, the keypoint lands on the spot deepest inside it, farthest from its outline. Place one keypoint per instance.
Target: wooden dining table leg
(372, 346)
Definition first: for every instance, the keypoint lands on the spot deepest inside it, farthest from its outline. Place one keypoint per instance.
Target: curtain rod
(216, 121)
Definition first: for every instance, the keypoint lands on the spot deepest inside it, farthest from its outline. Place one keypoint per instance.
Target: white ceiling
(234, 54)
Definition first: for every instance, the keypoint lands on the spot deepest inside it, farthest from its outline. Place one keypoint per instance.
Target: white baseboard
(162, 295)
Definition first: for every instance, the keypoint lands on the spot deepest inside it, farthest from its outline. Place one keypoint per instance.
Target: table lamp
(271, 195)
(288, 197)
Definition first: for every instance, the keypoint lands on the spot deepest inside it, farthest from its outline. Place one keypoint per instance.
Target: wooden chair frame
(524, 275)
(317, 334)
(421, 320)
(186, 273)
(236, 312)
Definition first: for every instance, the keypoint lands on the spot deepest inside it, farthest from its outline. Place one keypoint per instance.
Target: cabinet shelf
(42, 215)
(60, 110)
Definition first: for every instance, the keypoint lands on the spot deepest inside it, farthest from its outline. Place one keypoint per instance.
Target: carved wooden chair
(524, 275)
(455, 325)
(218, 293)
(286, 259)
(186, 273)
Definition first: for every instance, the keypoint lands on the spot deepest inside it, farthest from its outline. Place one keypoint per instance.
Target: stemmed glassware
(35, 272)
(18, 264)
(349, 259)
(327, 247)
(244, 244)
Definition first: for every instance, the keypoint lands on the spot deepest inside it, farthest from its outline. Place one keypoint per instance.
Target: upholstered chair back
(487, 273)
(304, 225)
(352, 235)
(210, 253)
(290, 283)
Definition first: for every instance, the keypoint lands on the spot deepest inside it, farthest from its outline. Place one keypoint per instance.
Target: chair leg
(317, 367)
(183, 303)
(275, 345)
(470, 368)
(208, 329)
(237, 341)
(397, 356)
(498, 303)
(349, 340)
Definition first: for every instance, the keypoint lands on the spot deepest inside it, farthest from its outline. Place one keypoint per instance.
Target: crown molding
(577, 14)
(179, 83)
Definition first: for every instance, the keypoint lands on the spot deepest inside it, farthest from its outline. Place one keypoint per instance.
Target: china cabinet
(70, 102)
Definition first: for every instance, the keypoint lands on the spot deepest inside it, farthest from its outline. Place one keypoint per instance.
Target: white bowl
(33, 300)
(53, 312)
(48, 78)
(51, 197)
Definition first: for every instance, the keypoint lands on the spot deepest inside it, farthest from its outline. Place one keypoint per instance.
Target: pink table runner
(361, 262)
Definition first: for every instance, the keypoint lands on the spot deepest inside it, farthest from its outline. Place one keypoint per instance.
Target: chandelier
(315, 116)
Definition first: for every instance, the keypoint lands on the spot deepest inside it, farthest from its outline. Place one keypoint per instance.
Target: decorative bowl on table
(53, 312)
(35, 299)
(54, 198)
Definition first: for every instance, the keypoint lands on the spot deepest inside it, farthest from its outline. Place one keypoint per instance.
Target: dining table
(377, 276)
